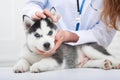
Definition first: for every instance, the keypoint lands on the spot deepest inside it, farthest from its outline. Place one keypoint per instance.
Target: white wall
(11, 30)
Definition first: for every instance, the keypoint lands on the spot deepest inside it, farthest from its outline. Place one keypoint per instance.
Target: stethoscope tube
(79, 10)
(95, 7)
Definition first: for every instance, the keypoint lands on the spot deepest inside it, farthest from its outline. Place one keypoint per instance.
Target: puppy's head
(40, 33)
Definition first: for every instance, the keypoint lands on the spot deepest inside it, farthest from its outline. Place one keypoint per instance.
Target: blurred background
(12, 35)
(11, 31)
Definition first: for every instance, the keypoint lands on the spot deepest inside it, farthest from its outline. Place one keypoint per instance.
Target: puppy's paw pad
(107, 65)
(117, 67)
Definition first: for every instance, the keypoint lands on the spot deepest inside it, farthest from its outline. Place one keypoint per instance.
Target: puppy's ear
(27, 21)
(53, 11)
(55, 14)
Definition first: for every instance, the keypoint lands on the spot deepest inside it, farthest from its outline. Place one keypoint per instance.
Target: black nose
(46, 45)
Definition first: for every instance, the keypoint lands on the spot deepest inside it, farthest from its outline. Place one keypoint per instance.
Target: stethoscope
(79, 10)
(93, 3)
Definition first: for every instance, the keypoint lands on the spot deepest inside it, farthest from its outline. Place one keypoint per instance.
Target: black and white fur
(41, 35)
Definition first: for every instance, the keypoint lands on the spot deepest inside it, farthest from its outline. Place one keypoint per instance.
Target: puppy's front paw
(21, 66)
(44, 65)
(39, 67)
(35, 68)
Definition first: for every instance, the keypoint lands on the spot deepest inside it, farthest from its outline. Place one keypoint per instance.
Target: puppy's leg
(22, 66)
(45, 64)
(104, 64)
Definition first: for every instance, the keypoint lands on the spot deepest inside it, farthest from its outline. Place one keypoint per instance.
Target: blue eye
(37, 35)
(50, 33)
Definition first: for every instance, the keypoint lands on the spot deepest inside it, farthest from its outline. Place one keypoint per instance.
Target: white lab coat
(89, 30)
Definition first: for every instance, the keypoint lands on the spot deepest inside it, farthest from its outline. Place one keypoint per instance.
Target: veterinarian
(79, 21)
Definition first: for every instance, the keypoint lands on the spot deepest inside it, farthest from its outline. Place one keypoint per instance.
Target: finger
(50, 52)
(57, 45)
(40, 52)
(56, 18)
(43, 53)
(47, 13)
(59, 34)
(47, 54)
(40, 14)
(34, 17)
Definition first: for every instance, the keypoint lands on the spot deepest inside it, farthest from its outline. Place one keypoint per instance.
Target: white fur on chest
(31, 57)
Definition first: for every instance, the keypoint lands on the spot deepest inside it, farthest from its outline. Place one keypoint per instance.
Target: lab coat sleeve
(99, 33)
(32, 6)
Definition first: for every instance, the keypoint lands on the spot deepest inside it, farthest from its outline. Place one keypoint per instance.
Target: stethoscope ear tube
(95, 6)
(79, 10)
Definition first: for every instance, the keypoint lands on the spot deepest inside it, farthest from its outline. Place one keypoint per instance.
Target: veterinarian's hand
(60, 38)
(44, 14)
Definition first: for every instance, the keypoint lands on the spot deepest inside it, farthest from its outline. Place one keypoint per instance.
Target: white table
(6, 73)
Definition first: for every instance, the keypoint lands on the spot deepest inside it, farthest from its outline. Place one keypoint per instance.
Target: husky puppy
(41, 35)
